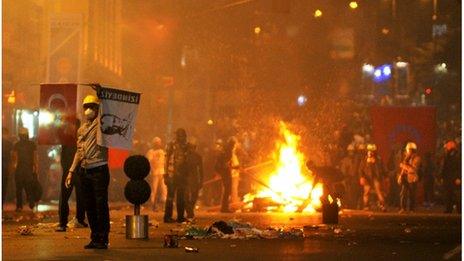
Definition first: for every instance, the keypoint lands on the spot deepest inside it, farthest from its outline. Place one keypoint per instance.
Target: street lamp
(257, 30)
(11, 98)
(301, 100)
(353, 5)
(317, 13)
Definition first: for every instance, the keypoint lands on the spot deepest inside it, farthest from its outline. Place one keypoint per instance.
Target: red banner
(57, 116)
(116, 158)
(398, 125)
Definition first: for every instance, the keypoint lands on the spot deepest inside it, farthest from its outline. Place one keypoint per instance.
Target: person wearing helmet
(224, 167)
(372, 173)
(451, 174)
(94, 175)
(25, 166)
(156, 157)
(195, 178)
(349, 167)
(175, 177)
(408, 177)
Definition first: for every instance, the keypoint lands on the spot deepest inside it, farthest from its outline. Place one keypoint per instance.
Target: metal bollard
(137, 226)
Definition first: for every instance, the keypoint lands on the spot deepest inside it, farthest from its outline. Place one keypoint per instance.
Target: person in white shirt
(156, 157)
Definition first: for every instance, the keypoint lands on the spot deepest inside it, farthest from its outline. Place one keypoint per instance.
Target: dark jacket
(195, 166)
(451, 165)
(222, 166)
(372, 170)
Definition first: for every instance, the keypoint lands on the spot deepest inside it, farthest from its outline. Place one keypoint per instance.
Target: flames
(290, 186)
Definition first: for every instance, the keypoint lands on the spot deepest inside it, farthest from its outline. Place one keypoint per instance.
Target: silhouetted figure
(175, 177)
(25, 164)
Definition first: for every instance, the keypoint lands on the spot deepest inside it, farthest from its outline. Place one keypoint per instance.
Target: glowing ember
(290, 185)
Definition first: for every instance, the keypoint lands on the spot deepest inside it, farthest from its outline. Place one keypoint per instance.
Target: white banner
(118, 111)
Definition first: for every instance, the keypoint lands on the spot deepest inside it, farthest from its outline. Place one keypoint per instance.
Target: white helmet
(371, 147)
(411, 146)
(350, 147)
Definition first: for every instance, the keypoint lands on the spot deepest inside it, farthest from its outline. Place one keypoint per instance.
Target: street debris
(171, 241)
(195, 232)
(25, 230)
(407, 230)
(191, 249)
(237, 230)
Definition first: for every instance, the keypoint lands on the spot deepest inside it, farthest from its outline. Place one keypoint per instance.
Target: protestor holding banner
(95, 176)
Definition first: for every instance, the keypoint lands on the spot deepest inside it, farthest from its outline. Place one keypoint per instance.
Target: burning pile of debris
(290, 187)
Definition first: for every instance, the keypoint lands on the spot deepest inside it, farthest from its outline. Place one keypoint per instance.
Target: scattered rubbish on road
(73, 237)
(407, 230)
(312, 227)
(171, 241)
(236, 230)
(195, 232)
(337, 231)
(25, 230)
(222, 227)
(233, 245)
(191, 249)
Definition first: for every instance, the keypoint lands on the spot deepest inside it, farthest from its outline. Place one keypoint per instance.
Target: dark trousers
(408, 193)
(394, 192)
(95, 183)
(428, 189)
(191, 199)
(5, 175)
(178, 191)
(227, 188)
(23, 183)
(352, 195)
(452, 196)
(65, 194)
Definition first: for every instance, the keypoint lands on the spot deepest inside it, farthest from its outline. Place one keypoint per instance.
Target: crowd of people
(186, 173)
(367, 182)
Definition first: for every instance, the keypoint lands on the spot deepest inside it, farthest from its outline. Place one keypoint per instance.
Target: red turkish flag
(398, 125)
(116, 158)
(57, 115)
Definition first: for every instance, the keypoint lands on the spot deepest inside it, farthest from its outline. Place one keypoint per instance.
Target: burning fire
(290, 186)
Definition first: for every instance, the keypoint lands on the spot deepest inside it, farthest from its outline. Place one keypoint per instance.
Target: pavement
(360, 235)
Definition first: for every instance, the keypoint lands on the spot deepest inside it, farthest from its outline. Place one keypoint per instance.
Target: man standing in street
(349, 168)
(7, 147)
(235, 173)
(25, 165)
(195, 178)
(156, 157)
(66, 157)
(408, 177)
(176, 174)
(372, 173)
(94, 175)
(224, 168)
(451, 174)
